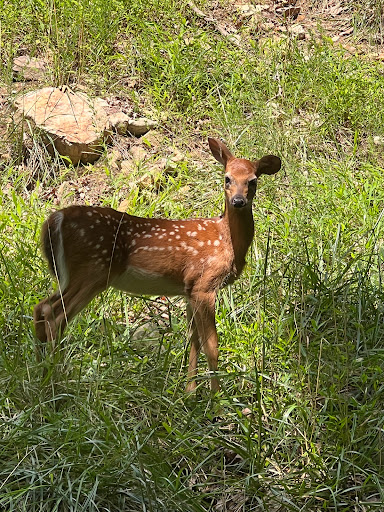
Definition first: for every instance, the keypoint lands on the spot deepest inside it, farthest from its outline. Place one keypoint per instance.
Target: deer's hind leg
(52, 315)
(194, 349)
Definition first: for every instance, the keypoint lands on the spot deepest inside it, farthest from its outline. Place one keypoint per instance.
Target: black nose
(238, 201)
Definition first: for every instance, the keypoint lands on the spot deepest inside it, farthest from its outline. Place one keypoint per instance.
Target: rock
(128, 167)
(119, 122)
(177, 156)
(138, 153)
(288, 12)
(170, 168)
(29, 68)
(378, 140)
(248, 10)
(141, 126)
(146, 332)
(154, 139)
(145, 181)
(5, 158)
(123, 206)
(297, 31)
(70, 122)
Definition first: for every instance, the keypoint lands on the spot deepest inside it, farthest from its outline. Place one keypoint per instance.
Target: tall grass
(105, 424)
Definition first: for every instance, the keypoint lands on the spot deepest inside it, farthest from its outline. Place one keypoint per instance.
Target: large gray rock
(72, 123)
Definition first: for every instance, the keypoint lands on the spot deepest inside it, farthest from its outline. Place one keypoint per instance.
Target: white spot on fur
(216, 243)
(89, 214)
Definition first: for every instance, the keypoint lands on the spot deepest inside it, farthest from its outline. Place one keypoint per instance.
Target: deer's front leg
(203, 312)
(194, 349)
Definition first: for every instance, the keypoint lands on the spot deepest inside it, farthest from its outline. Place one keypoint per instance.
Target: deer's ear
(269, 164)
(219, 151)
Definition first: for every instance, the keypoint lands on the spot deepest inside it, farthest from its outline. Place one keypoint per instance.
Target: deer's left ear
(220, 151)
(269, 164)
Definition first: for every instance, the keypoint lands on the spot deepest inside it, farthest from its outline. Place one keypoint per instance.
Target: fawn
(92, 248)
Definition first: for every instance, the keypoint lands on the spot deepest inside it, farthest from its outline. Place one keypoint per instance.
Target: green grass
(106, 424)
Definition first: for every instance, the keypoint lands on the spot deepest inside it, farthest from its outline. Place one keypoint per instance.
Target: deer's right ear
(219, 151)
(269, 164)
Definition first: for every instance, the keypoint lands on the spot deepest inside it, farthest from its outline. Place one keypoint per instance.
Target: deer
(92, 248)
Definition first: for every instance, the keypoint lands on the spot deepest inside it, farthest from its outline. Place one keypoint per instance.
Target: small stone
(246, 412)
(139, 127)
(119, 122)
(154, 139)
(123, 206)
(297, 31)
(128, 167)
(177, 156)
(378, 140)
(248, 10)
(138, 153)
(29, 68)
(146, 180)
(146, 332)
(289, 12)
(5, 158)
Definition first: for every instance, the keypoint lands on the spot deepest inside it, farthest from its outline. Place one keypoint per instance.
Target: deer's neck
(241, 228)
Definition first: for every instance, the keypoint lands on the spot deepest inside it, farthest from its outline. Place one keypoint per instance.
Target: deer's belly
(142, 282)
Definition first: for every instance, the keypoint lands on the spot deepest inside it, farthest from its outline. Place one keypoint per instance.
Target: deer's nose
(238, 201)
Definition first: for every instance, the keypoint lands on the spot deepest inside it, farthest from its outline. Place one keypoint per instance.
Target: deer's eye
(227, 181)
(252, 183)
